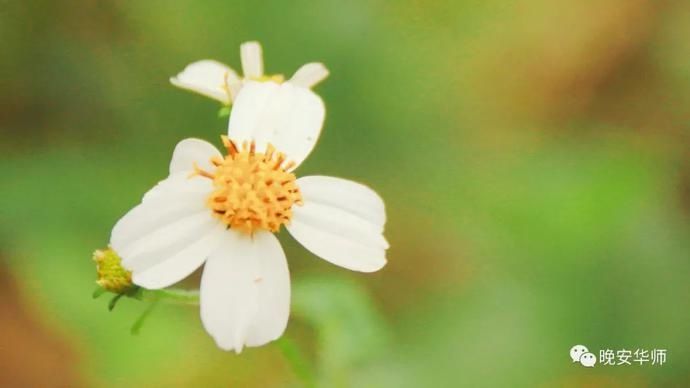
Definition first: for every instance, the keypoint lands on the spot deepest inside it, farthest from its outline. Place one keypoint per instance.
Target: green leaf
(350, 330)
(113, 302)
(136, 327)
(299, 363)
(98, 292)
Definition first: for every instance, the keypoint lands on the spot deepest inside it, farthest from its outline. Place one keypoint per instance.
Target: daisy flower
(218, 81)
(222, 211)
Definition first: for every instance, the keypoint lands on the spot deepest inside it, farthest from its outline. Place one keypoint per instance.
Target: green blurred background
(534, 157)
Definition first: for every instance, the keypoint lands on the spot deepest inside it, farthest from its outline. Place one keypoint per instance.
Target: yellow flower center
(252, 191)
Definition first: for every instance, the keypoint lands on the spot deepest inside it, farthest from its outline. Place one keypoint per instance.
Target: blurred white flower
(223, 210)
(218, 81)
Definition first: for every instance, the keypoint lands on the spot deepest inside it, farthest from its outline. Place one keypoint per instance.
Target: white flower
(224, 210)
(218, 81)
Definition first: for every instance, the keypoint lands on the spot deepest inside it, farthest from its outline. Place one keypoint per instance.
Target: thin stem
(291, 351)
(172, 295)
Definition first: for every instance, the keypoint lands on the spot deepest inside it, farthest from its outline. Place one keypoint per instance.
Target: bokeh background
(534, 157)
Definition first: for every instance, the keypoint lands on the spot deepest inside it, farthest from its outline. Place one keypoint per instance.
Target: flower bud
(111, 275)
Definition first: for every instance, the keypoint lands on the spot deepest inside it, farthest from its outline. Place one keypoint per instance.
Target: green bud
(111, 275)
(224, 112)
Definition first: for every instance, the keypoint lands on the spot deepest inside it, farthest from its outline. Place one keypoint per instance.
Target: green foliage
(351, 333)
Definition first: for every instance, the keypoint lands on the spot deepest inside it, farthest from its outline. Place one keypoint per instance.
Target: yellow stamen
(277, 78)
(252, 190)
(226, 85)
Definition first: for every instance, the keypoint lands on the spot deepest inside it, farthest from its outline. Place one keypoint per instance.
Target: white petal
(180, 183)
(165, 240)
(209, 78)
(245, 291)
(342, 222)
(175, 198)
(169, 234)
(167, 269)
(309, 75)
(349, 195)
(191, 151)
(252, 60)
(287, 116)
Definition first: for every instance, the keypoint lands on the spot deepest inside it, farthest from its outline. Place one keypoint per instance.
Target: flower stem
(172, 295)
(295, 357)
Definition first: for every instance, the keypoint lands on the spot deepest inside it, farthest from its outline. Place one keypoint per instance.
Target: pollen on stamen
(252, 190)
